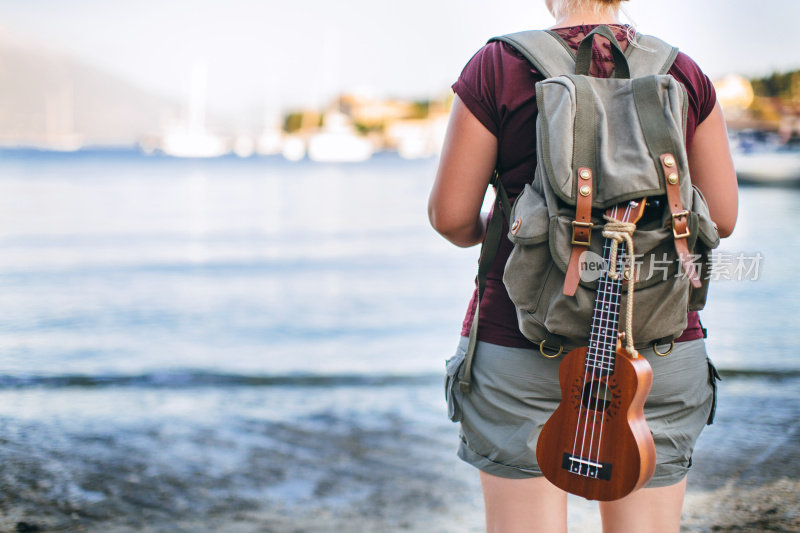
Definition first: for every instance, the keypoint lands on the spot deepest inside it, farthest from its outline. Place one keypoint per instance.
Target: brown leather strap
(581, 229)
(680, 218)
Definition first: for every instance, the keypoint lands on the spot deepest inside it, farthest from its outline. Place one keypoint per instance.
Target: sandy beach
(337, 469)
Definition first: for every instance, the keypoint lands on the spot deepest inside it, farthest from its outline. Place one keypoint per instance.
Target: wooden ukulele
(597, 444)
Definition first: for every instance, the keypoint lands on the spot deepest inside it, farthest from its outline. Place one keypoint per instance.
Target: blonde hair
(562, 8)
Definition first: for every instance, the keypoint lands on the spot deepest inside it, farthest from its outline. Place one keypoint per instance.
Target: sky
(266, 55)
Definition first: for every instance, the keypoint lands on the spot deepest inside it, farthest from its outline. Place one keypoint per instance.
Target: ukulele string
(600, 356)
(601, 363)
(616, 289)
(592, 360)
(583, 405)
(595, 352)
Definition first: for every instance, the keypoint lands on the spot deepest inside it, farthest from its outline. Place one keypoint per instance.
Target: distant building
(734, 92)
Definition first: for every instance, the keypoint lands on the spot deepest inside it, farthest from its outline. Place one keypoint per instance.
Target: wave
(767, 373)
(189, 379)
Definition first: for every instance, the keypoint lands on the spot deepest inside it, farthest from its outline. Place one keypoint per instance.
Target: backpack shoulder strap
(551, 56)
(491, 243)
(650, 55)
(544, 49)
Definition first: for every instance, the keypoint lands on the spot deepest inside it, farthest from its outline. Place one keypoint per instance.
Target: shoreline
(345, 459)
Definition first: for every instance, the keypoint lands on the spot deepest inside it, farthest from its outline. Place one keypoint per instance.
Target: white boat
(293, 148)
(183, 143)
(338, 142)
(760, 160)
(192, 139)
(244, 146)
(776, 167)
(417, 138)
(270, 141)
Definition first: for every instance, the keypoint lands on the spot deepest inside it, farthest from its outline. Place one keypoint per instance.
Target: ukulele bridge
(586, 467)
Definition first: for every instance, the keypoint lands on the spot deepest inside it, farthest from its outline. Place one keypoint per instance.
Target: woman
(493, 115)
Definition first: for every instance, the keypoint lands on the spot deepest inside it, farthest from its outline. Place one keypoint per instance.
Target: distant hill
(48, 99)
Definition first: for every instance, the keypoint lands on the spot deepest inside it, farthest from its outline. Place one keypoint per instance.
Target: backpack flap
(580, 123)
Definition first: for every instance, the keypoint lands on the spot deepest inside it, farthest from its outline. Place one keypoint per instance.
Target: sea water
(287, 323)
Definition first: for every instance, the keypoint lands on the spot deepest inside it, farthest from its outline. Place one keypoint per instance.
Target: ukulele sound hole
(596, 396)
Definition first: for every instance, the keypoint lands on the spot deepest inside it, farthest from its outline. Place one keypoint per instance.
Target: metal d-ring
(550, 356)
(664, 354)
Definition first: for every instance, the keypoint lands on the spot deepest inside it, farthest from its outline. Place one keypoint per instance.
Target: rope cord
(620, 232)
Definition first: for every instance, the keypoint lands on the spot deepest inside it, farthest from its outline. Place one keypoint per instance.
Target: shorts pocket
(452, 392)
(713, 378)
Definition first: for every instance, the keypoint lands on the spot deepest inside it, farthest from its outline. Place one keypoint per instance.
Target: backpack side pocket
(452, 392)
(529, 261)
(707, 240)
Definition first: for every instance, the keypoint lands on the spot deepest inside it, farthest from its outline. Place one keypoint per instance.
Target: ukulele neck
(602, 347)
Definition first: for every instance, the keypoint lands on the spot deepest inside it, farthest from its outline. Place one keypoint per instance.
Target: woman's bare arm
(712, 171)
(465, 168)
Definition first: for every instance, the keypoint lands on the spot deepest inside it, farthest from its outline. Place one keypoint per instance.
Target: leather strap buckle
(587, 225)
(685, 233)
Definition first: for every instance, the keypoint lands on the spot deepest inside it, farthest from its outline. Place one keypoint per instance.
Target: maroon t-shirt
(497, 86)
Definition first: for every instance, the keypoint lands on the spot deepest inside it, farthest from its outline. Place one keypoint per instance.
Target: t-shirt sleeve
(477, 89)
(702, 96)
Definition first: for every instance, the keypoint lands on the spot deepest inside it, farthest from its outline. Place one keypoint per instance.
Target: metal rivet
(673, 178)
(669, 161)
(515, 226)
(585, 174)
(585, 190)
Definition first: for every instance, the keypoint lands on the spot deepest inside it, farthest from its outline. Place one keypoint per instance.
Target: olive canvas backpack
(601, 142)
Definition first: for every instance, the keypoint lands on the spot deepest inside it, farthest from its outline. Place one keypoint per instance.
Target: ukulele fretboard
(605, 317)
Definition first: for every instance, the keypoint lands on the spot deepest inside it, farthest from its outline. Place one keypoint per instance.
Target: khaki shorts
(515, 390)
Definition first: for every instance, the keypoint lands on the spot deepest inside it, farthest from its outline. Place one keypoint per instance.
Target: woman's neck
(587, 17)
